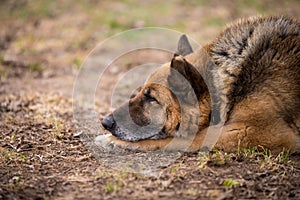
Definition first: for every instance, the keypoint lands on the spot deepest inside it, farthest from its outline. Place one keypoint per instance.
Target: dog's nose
(108, 122)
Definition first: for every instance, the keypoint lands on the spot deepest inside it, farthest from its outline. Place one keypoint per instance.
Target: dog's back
(259, 63)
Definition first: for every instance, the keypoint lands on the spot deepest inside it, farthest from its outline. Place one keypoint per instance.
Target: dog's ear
(185, 69)
(186, 72)
(179, 64)
(184, 47)
(180, 79)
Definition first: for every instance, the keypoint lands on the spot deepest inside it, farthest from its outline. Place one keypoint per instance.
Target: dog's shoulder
(252, 53)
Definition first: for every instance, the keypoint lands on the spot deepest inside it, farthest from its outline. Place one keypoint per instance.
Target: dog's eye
(151, 99)
(148, 96)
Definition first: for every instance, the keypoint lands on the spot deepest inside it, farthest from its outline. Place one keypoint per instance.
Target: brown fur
(257, 74)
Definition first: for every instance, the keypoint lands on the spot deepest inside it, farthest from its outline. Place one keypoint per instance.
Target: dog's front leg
(169, 144)
(109, 141)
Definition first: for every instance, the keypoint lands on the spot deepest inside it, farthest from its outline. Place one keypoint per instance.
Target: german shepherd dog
(246, 81)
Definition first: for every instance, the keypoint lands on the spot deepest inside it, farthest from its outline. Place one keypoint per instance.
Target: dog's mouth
(137, 136)
(132, 133)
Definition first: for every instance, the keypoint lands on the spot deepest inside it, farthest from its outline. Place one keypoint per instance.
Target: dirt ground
(42, 46)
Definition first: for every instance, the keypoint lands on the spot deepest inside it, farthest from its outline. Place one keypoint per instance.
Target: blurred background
(46, 39)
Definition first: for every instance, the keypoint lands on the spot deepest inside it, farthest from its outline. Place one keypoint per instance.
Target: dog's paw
(105, 141)
(110, 143)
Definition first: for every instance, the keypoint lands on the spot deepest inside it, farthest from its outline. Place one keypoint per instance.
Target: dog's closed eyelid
(153, 100)
(150, 98)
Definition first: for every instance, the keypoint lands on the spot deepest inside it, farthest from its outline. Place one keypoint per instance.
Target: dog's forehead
(160, 75)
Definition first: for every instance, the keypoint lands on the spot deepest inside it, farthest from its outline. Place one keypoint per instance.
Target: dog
(246, 82)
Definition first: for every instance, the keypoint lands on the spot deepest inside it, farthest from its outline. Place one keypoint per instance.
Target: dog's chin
(137, 136)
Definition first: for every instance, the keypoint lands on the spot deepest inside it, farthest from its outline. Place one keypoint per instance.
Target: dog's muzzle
(131, 133)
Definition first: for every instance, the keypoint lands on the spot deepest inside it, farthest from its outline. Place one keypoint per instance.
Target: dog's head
(174, 101)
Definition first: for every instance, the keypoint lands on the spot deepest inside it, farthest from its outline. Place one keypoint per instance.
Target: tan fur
(258, 64)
